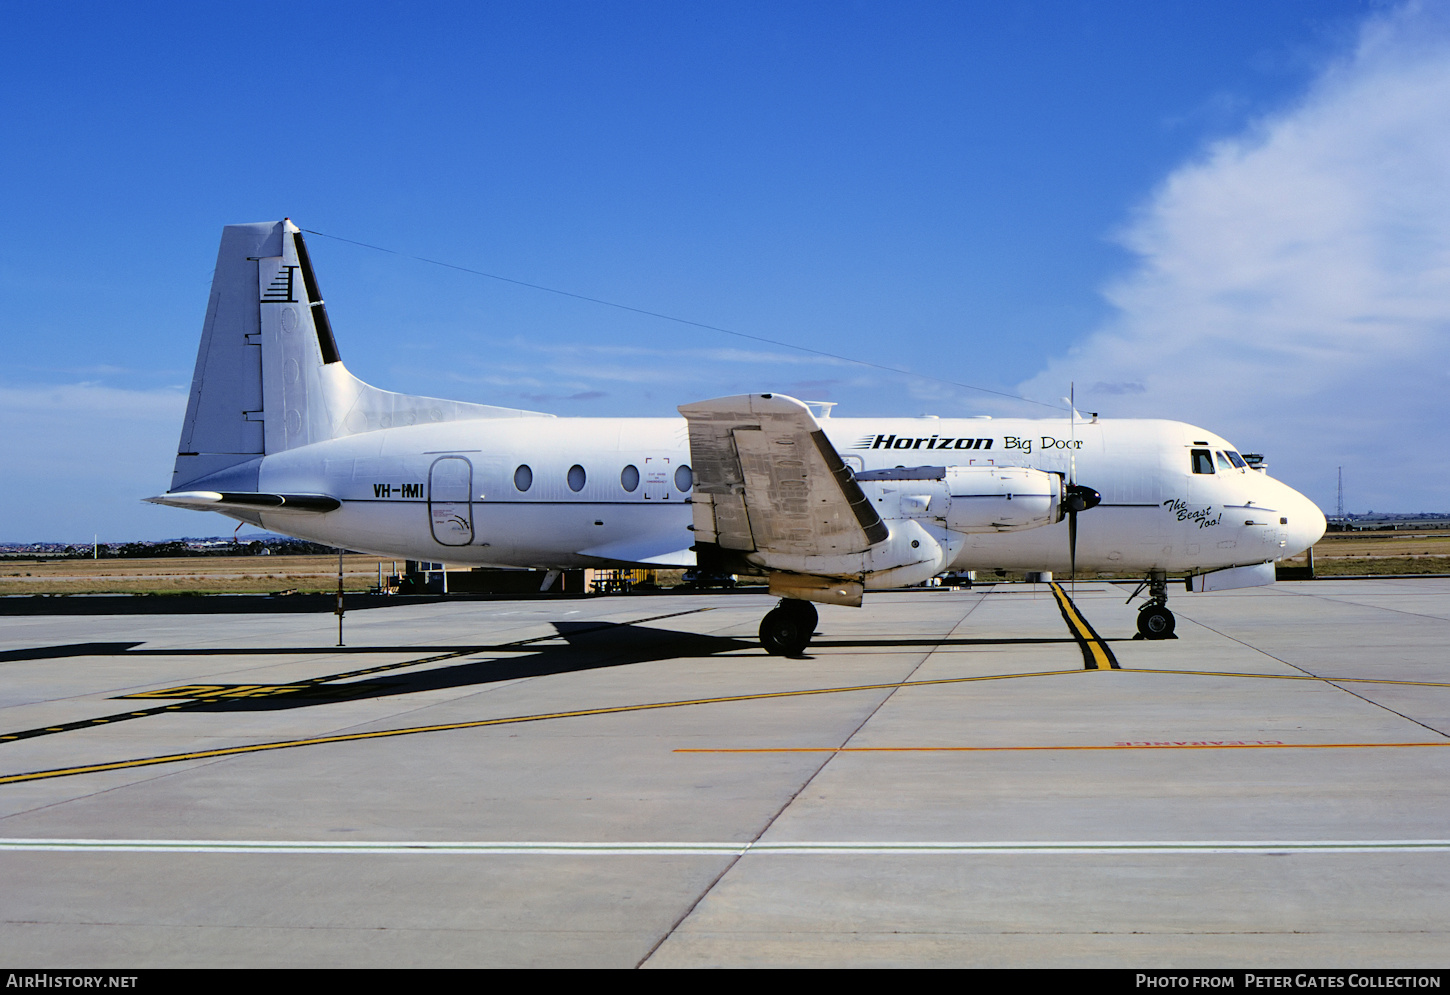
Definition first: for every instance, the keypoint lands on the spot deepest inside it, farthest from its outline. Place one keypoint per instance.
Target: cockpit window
(1236, 459)
(1202, 461)
(1223, 463)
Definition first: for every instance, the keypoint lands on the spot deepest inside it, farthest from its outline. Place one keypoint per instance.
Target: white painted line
(602, 848)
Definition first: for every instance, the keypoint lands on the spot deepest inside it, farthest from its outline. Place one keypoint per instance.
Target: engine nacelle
(927, 510)
(967, 499)
(913, 552)
(1002, 498)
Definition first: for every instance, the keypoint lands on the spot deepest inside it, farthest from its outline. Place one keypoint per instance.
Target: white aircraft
(279, 434)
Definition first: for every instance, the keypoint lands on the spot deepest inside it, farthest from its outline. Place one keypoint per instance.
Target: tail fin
(268, 374)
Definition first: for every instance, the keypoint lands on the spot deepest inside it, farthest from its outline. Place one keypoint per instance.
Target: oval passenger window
(523, 478)
(684, 477)
(629, 478)
(576, 478)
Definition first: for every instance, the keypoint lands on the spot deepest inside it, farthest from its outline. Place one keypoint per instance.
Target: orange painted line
(1291, 677)
(1014, 749)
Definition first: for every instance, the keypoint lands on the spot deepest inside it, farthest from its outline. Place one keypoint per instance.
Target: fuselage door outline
(450, 509)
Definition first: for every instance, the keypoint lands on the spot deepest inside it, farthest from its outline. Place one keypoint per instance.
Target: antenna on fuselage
(1072, 482)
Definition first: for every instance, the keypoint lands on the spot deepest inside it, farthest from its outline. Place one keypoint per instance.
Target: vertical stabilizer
(268, 374)
(223, 426)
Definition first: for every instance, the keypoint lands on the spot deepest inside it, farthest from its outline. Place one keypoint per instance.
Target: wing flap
(768, 480)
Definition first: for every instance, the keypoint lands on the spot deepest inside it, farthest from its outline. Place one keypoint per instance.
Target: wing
(658, 550)
(767, 479)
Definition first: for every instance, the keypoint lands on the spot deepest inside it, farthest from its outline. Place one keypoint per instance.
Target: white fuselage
(448, 491)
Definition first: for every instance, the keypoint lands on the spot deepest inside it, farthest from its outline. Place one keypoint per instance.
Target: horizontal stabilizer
(247, 501)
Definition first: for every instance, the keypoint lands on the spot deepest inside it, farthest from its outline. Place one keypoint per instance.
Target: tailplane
(268, 373)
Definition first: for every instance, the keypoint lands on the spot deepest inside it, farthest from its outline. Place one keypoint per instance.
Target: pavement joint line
(1337, 683)
(805, 783)
(308, 683)
(729, 849)
(1095, 653)
(1328, 596)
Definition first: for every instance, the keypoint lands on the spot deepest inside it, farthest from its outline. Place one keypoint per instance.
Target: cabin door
(450, 509)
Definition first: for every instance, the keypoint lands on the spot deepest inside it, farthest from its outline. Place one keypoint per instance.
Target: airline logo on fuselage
(928, 442)
(1021, 444)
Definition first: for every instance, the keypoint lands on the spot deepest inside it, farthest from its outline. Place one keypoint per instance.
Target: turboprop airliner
(279, 434)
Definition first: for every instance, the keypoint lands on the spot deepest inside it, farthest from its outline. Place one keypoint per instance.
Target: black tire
(805, 611)
(783, 634)
(1156, 622)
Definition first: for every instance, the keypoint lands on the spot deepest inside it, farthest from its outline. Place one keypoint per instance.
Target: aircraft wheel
(805, 611)
(1156, 622)
(784, 632)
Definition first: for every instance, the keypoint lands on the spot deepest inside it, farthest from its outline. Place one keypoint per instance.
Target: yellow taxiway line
(229, 751)
(1095, 652)
(618, 709)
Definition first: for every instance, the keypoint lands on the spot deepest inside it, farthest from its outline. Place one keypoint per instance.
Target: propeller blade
(1072, 544)
(1076, 498)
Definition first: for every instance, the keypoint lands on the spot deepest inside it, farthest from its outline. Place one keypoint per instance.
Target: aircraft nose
(1306, 524)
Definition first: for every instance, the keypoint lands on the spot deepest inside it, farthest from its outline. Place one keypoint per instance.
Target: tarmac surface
(953, 778)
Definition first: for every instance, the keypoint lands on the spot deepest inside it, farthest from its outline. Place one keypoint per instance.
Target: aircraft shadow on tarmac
(587, 646)
(67, 650)
(73, 650)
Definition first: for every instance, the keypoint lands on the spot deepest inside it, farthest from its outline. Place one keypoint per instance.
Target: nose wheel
(787, 628)
(1155, 621)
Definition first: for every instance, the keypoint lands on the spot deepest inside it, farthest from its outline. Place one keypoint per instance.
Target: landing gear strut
(1155, 621)
(788, 627)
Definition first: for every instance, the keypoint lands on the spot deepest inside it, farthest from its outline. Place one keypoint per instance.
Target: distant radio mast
(1339, 510)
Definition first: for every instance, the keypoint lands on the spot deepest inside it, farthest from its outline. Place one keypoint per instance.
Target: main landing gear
(787, 628)
(1155, 621)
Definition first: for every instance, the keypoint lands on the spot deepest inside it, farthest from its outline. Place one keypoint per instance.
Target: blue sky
(1233, 213)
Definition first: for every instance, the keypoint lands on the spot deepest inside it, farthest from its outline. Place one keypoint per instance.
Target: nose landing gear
(1155, 621)
(787, 628)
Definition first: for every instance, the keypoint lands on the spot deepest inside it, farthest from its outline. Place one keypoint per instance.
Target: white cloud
(1293, 284)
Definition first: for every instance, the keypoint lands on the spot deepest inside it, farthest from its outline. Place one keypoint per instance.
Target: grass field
(1337, 554)
(193, 575)
(1359, 553)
